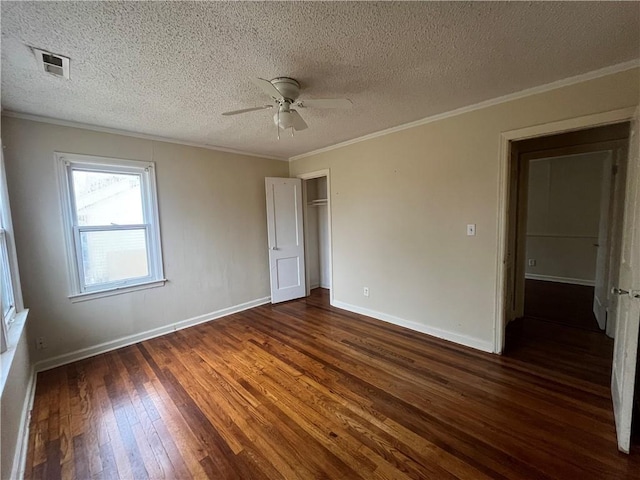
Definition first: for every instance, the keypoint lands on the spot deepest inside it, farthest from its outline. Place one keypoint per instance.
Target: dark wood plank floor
(562, 303)
(304, 390)
(555, 347)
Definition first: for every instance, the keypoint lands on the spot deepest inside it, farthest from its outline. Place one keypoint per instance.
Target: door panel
(287, 270)
(601, 291)
(286, 238)
(626, 305)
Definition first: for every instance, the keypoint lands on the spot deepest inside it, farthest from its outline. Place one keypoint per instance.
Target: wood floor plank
(304, 390)
(80, 457)
(189, 447)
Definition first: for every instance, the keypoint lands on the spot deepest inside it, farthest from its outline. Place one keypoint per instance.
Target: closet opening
(317, 230)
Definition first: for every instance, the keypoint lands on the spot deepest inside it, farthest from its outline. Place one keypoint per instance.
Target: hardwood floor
(562, 303)
(304, 390)
(573, 352)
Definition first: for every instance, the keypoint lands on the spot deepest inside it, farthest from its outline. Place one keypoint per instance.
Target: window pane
(107, 198)
(113, 255)
(5, 277)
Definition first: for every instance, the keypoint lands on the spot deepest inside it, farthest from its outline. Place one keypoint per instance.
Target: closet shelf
(318, 202)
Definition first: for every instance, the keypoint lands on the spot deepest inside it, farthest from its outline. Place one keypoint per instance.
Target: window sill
(13, 337)
(82, 297)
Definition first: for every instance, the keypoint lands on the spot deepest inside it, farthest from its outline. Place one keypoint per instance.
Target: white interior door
(627, 301)
(286, 238)
(601, 291)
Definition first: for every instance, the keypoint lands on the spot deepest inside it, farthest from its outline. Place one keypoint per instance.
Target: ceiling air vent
(51, 63)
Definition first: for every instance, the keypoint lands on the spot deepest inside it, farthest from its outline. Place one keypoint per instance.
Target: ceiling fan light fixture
(284, 93)
(283, 119)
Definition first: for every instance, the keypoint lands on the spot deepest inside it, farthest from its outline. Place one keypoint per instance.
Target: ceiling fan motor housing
(288, 88)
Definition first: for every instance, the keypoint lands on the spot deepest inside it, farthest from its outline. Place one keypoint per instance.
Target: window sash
(7, 281)
(147, 212)
(77, 234)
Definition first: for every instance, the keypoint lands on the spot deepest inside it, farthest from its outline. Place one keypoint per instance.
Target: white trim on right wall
(477, 343)
(551, 278)
(621, 67)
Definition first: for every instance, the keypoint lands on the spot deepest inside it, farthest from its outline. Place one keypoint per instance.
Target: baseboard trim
(465, 340)
(22, 442)
(83, 353)
(550, 278)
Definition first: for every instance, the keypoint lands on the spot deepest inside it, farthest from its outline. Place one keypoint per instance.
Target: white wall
(563, 217)
(212, 221)
(401, 202)
(12, 404)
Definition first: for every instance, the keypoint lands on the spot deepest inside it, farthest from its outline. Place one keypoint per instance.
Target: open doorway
(566, 206)
(623, 309)
(567, 237)
(565, 220)
(317, 230)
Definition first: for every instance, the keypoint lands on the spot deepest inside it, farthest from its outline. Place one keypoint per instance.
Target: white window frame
(12, 323)
(6, 270)
(67, 163)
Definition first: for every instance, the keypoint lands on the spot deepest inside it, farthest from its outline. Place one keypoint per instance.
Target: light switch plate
(471, 230)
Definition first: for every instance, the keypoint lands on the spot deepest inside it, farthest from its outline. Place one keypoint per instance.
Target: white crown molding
(144, 136)
(621, 67)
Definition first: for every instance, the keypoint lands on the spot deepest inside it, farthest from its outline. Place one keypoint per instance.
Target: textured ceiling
(171, 68)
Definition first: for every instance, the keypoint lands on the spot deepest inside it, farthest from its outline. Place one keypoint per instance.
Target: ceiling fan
(284, 92)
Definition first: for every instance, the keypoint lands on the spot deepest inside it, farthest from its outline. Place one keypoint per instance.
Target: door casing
(505, 191)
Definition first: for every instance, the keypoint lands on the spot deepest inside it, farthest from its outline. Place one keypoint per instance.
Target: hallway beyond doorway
(563, 303)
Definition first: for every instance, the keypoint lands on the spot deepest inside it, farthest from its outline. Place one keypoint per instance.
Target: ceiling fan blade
(267, 87)
(297, 122)
(325, 103)
(245, 110)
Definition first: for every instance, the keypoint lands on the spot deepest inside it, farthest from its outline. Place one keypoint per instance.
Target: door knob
(274, 248)
(619, 291)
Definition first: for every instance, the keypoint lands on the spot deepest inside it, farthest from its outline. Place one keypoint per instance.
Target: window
(7, 299)
(111, 220)
(10, 295)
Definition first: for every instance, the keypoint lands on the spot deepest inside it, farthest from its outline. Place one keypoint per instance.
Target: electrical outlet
(471, 230)
(532, 262)
(365, 291)
(40, 343)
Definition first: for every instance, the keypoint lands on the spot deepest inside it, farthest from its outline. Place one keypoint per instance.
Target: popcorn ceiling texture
(171, 68)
